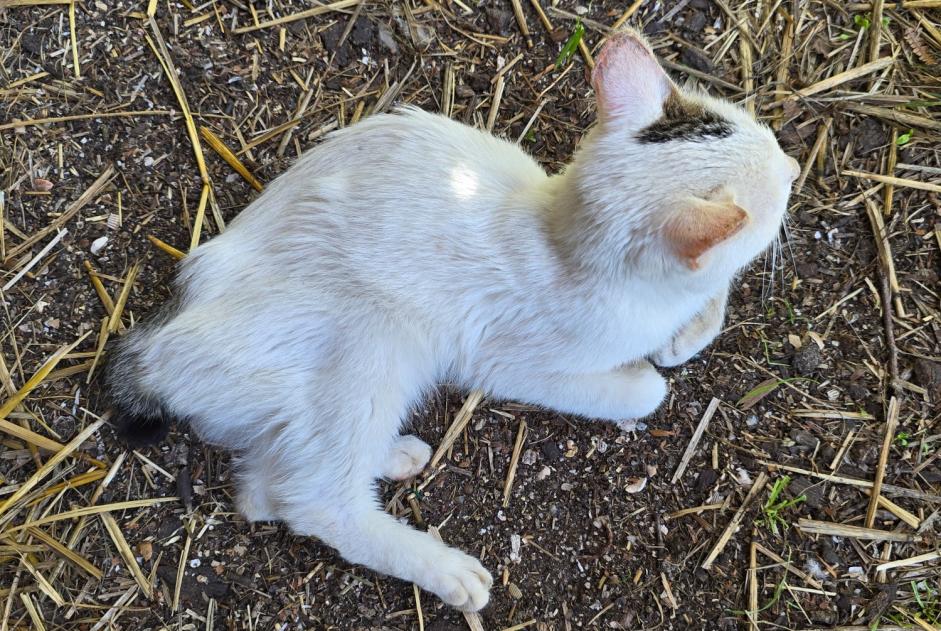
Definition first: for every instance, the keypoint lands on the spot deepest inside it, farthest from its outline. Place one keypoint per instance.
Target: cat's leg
(408, 456)
(334, 500)
(632, 391)
(253, 494)
(695, 335)
(368, 536)
(335, 446)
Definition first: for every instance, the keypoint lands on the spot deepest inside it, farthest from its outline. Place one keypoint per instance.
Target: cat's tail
(138, 415)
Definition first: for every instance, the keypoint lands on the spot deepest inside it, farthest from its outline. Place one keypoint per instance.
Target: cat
(409, 249)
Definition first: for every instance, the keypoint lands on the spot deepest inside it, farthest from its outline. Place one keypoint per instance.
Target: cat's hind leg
(366, 535)
(334, 448)
(334, 499)
(253, 491)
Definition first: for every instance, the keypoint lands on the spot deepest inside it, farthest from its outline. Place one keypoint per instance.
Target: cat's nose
(795, 168)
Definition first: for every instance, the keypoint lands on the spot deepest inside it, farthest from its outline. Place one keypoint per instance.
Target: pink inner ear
(703, 225)
(629, 81)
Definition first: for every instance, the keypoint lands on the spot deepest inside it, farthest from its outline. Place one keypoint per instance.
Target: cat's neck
(579, 237)
(595, 250)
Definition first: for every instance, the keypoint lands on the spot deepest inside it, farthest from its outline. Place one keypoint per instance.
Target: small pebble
(98, 244)
(636, 485)
(515, 543)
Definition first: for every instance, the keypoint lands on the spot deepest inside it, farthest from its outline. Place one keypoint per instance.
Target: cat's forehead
(685, 120)
(696, 118)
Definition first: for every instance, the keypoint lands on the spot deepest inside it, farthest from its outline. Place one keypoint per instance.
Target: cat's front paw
(692, 338)
(673, 354)
(408, 457)
(459, 580)
(646, 389)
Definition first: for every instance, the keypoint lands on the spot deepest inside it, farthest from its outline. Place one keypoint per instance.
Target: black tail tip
(140, 431)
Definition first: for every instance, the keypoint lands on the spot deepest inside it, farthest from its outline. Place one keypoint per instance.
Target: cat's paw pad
(409, 456)
(460, 581)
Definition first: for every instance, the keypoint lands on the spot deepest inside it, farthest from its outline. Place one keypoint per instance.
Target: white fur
(410, 249)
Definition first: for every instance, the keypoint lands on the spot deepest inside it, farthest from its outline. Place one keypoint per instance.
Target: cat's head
(691, 184)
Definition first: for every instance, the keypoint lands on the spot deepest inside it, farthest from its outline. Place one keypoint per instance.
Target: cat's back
(398, 200)
(411, 147)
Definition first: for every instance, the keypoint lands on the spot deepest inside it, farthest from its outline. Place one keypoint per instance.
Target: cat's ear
(628, 80)
(699, 225)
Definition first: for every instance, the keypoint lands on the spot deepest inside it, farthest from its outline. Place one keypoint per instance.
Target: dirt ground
(826, 380)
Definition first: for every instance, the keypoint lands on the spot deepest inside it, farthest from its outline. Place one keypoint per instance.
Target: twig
(842, 77)
(889, 333)
(50, 464)
(495, 103)
(542, 15)
(895, 181)
(804, 576)
(822, 133)
(216, 144)
(34, 615)
(181, 567)
(106, 301)
(812, 526)
(694, 441)
(327, 8)
(200, 217)
(122, 298)
(521, 20)
(514, 462)
(753, 584)
(631, 10)
(118, 606)
(888, 194)
(460, 422)
(897, 116)
(126, 553)
(904, 515)
(32, 263)
(77, 117)
(736, 520)
(84, 199)
(915, 560)
(166, 61)
(90, 510)
(875, 30)
(421, 617)
(891, 424)
(10, 404)
(883, 247)
(865, 484)
(166, 247)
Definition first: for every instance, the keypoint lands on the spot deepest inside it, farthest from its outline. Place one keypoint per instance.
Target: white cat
(410, 249)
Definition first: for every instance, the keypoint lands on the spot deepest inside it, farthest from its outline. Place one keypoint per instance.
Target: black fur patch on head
(685, 121)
